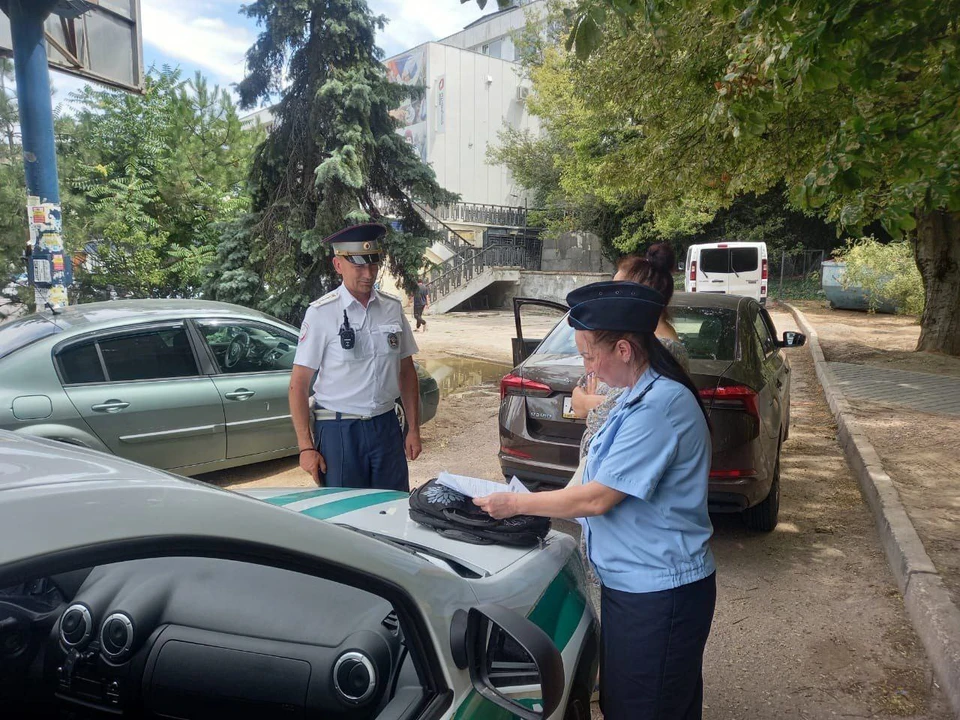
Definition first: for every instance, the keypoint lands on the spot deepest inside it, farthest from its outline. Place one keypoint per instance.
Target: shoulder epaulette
(325, 300)
(388, 296)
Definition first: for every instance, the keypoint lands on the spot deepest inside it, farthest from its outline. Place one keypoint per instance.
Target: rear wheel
(764, 516)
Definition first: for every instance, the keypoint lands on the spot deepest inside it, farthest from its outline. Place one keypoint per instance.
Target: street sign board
(104, 44)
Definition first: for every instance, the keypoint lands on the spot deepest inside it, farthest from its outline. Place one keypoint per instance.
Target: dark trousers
(363, 453)
(418, 315)
(652, 651)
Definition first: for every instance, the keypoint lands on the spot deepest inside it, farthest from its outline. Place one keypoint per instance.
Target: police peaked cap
(615, 305)
(359, 244)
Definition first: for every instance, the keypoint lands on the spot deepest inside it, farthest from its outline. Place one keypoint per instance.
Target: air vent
(116, 637)
(354, 677)
(76, 626)
(391, 623)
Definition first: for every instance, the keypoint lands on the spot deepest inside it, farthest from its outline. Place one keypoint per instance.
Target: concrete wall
(479, 98)
(574, 252)
(550, 285)
(494, 31)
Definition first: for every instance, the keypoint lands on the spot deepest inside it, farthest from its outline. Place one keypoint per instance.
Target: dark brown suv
(736, 362)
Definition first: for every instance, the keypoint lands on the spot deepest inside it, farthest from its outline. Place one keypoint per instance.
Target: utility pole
(49, 271)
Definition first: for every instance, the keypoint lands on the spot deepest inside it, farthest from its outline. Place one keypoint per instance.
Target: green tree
(852, 103)
(149, 178)
(333, 156)
(13, 195)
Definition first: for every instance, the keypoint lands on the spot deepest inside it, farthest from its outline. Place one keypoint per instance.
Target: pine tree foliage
(332, 158)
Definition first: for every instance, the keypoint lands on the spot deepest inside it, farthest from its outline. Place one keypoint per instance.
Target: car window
(149, 355)
(81, 364)
(708, 333)
(20, 333)
(560, 341)
(767, 344)
(744, 259)
(715, 261)
(245, 346)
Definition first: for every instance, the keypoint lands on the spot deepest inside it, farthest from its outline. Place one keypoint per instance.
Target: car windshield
(20, 333)
(708, 333)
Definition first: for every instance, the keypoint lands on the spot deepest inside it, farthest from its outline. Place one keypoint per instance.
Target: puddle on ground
(456, 373)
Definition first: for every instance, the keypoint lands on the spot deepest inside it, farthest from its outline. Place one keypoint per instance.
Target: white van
(730, 268)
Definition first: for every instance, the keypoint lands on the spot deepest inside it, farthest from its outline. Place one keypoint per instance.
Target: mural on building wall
(411, 69)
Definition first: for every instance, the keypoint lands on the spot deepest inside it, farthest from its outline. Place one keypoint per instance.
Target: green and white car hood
(385, 512)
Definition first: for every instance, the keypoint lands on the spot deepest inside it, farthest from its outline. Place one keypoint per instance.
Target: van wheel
(764, 516)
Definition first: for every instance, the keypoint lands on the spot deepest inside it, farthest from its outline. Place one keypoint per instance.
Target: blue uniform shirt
(657, 451)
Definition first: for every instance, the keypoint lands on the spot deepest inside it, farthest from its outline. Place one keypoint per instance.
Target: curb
(932, 612)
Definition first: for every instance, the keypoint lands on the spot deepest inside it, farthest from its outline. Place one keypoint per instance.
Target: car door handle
(240, 394)
(110, 406)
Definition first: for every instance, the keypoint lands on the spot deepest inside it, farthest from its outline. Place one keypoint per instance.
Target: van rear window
(744, 259)
(714, 261)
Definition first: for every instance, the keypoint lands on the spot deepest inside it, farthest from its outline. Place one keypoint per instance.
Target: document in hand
(476, 487)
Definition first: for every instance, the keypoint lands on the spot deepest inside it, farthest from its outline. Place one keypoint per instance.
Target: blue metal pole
(50, 272)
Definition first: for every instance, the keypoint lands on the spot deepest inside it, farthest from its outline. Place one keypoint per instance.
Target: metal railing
(472, 262)
(481, 214)
(449, 237)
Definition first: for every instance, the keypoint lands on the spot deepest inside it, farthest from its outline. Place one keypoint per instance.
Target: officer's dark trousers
(363, 453)
(652, 651)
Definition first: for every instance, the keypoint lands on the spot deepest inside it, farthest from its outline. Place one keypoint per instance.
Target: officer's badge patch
(393, 340)
(303, 331)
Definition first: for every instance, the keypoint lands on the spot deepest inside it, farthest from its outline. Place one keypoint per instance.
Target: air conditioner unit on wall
(522, 93)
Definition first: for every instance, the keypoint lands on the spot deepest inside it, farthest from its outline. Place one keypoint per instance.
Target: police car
(128, 591)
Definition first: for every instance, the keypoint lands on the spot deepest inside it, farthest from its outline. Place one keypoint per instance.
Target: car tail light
(731, 397)
(516, 453)
(693, 270)
(722, 245)
(516, 385)
(732, 474)
(763, 269)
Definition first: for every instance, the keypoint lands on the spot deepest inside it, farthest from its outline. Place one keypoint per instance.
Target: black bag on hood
(454, 515)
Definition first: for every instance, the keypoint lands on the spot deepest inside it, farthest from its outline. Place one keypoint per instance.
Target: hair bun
(662, 257)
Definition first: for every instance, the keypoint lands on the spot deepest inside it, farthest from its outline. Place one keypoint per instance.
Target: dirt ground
(919, 450)
(809, 623)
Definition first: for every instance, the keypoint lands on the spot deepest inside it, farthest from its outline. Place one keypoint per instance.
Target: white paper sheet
(476, 487)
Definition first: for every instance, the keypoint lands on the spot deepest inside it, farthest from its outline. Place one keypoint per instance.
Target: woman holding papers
(644, 498)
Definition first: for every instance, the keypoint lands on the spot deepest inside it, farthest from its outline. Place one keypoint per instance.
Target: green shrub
(885, 272)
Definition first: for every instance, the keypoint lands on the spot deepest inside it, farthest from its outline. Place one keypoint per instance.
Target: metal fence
(481, 214)
(797, 268)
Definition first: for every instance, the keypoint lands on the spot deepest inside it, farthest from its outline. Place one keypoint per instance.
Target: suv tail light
(516, 385)
(731, 397)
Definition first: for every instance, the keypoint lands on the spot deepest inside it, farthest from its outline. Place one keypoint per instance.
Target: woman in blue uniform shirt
(644, 498)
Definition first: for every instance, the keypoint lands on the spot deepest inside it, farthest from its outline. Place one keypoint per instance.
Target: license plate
(568, 408)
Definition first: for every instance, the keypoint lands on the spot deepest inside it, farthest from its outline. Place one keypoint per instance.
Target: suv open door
(522, 346)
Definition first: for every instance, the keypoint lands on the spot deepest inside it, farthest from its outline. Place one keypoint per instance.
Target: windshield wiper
(379, 537)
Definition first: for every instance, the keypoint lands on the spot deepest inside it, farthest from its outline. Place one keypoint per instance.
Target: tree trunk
(938, 258)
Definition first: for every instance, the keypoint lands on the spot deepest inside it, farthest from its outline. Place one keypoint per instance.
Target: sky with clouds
(212, 36)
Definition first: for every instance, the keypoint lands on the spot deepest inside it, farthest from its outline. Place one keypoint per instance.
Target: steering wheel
(237, 349)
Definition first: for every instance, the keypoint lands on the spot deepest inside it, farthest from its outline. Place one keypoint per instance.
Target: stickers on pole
(48, 268)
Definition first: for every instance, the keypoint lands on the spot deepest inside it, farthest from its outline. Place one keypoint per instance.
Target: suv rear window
(20, 333)
(561, 340)
(707, 333)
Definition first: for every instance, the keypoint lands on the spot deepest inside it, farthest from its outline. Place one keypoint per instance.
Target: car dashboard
(187, 637)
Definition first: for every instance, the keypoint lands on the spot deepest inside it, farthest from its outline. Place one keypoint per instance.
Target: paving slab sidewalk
(898, 428)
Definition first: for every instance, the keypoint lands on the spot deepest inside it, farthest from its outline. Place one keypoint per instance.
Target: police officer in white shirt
(360, 342)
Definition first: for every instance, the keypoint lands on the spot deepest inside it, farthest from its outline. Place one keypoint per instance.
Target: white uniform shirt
(366, 379)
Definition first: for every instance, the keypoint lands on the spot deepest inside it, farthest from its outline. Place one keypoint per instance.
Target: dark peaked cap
(615, 305)
(358, 244)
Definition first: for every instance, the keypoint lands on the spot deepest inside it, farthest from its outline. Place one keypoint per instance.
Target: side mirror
(793, 339)
(512, 662)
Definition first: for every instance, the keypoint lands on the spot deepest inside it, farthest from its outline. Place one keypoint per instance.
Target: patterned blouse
(597, 416)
